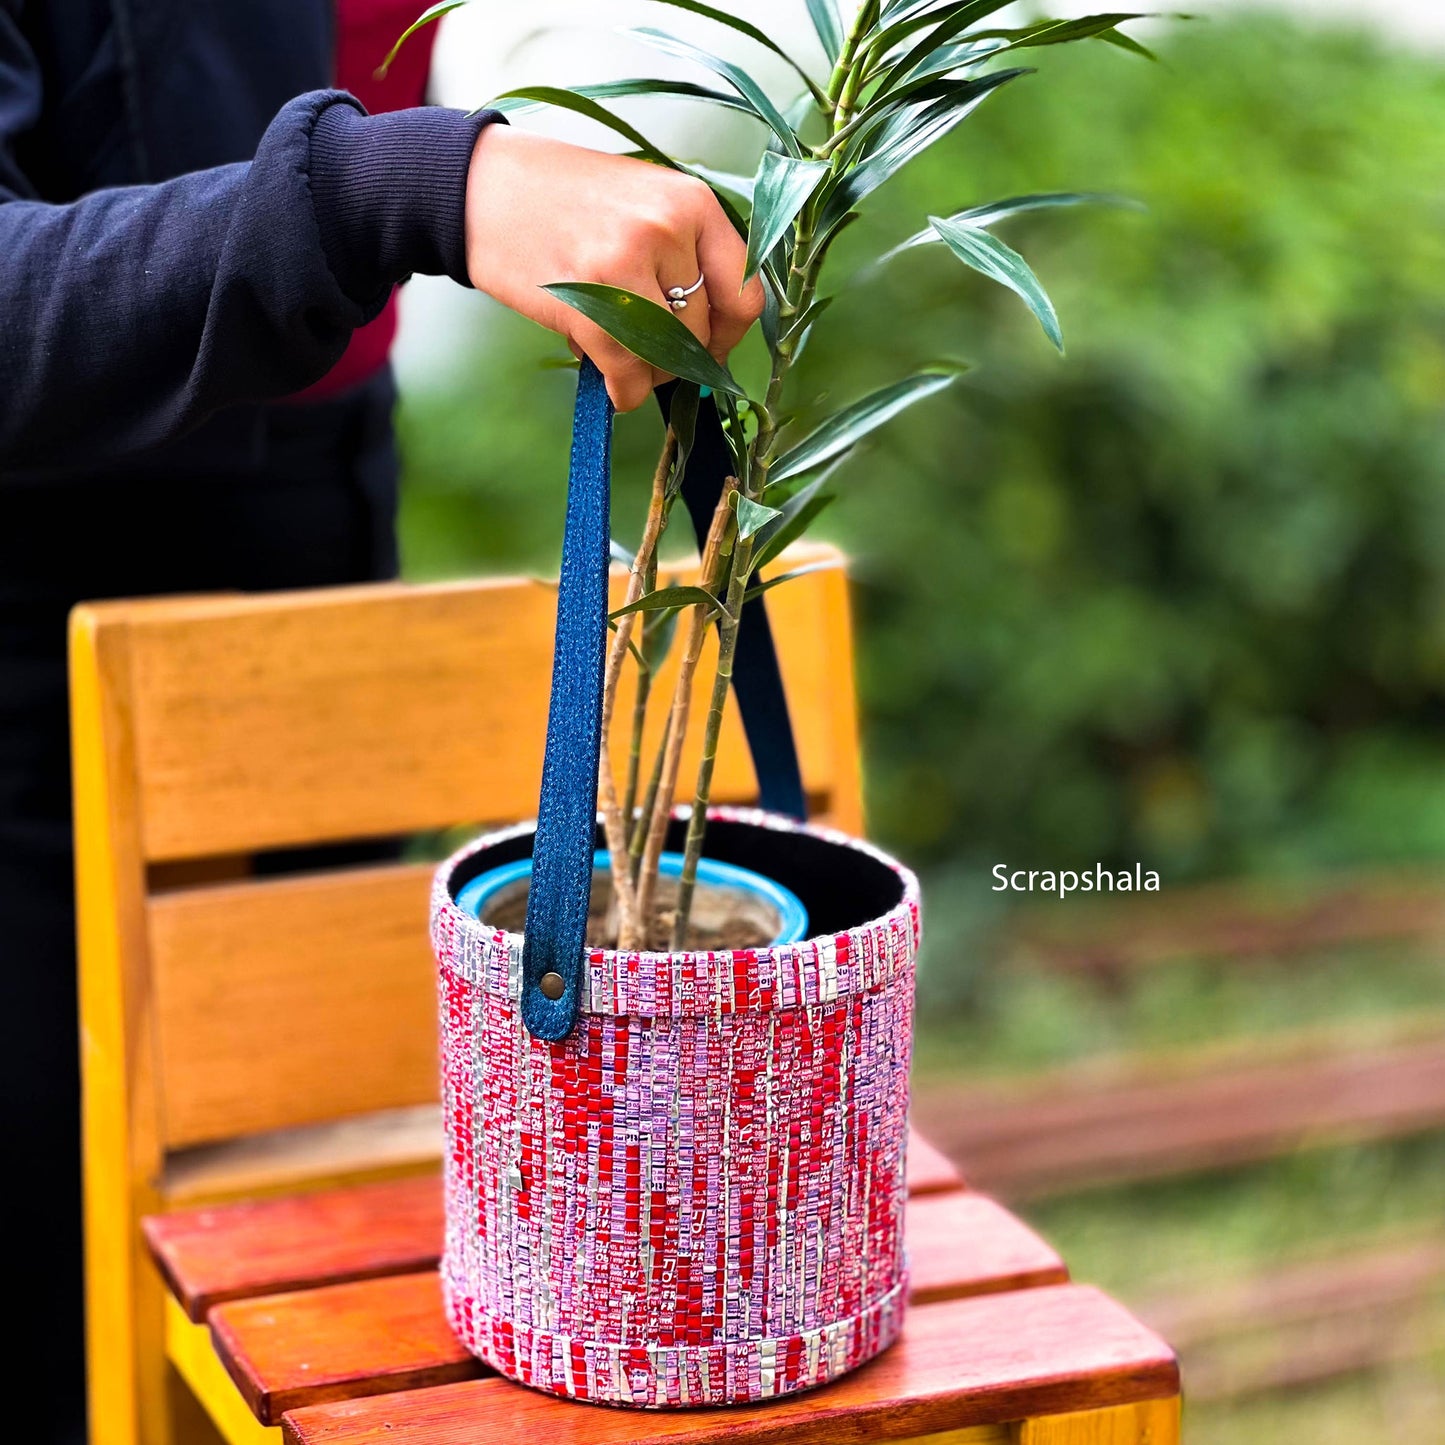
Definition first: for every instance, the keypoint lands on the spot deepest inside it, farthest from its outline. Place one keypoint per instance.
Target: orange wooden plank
(331, 1236)
(966, 1362)
(929, 1170)
(297, 1241)
(339, 1343)
(373, 1336)
(966, 1244)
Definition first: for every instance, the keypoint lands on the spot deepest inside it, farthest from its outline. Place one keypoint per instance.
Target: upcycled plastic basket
(695, 1194)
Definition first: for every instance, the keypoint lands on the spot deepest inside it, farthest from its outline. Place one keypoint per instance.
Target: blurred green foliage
(1178, 597)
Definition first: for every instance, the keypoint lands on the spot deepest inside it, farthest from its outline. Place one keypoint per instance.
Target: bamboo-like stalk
(614, 825)
(722, 682)
(643, 818)
(701, 615)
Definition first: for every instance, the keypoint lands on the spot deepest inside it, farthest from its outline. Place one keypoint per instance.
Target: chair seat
(323, 1311)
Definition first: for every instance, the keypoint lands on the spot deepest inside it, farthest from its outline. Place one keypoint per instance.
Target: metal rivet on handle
(552, 985)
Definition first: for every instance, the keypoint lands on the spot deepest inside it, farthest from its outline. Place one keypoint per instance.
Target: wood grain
(299, 717)
(1070, 1128)
(297, 1241)
(359, 1149)
(968, 1362)
(966, 1244)
(285, 1351)
(328, 978)
(121, 1129)
(188, 1348)
(929, 1170)
(301, 1241)
(1153, 1422)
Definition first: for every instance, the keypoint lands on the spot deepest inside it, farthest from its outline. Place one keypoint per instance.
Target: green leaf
(904, 135)
(780, 190)
(512, 104)
(771, 319)
(647, 329)
(725, 181)
(949, 22)
(584, 105)
(989, 256)
(854, 422)
(735, 22)
(778, 581)
(1063, 32)
(735, 76)
(967, 55)
(682, 418)
(752, 516)
(824, 16)
(666, 597)
(985, 216)
(795, 516)
(658, 630)
(430, 14)
(1127, 42)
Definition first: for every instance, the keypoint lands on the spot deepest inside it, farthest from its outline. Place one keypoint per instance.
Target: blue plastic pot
(474, 896)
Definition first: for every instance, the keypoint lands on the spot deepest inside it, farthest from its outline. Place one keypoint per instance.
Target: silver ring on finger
(677, 295)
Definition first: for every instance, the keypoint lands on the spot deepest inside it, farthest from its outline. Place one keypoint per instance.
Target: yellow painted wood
(1153, 1422)
(205, 728)
(352, 712)
(252, 970)
(121, 1124)
(390, 1144)
(190, 1350)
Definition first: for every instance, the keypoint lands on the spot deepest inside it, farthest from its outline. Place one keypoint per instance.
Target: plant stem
(661, 812)
(639, 713)
(613, 821)
(722, 682)
(634, 750)
(642, 820)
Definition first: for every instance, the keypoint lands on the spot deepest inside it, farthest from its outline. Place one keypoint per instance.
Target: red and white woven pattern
(698, 1197)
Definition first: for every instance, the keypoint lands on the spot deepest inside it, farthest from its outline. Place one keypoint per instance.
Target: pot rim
(792, 916)
(818, 968)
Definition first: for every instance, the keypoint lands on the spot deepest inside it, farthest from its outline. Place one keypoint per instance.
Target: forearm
(131, 314)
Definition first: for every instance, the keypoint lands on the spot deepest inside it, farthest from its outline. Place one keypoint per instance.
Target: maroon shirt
(365, 32)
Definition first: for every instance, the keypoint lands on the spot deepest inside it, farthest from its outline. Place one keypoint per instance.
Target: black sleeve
(132, 313)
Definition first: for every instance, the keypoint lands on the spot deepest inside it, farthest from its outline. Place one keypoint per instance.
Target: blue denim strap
(555, 937)
(556, 927)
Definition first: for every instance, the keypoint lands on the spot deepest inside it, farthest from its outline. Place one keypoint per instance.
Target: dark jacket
(157, 283)
(152, 270)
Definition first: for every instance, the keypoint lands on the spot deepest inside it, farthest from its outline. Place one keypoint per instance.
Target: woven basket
(696, 1198)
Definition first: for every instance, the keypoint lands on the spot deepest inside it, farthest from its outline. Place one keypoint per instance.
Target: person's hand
(539, 210)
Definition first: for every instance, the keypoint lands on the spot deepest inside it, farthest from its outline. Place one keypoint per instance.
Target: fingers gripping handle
(555, 938)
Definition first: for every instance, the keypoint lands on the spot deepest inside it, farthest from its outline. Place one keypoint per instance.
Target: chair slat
(352, 1340)
(930, 1171)
(366, 712)
(297, 1241)
(329, 978)
(965, 1362)
(304, 1240)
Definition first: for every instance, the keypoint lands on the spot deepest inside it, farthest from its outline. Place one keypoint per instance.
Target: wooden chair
(231, 1050)
(228, 1047)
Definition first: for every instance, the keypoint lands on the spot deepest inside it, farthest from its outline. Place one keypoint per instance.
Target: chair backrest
(227, 1016)
(210, 729)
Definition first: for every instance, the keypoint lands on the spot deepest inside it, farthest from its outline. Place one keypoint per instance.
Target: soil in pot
(721, 917)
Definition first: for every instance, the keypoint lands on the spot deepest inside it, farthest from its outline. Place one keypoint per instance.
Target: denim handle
(555, 936)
